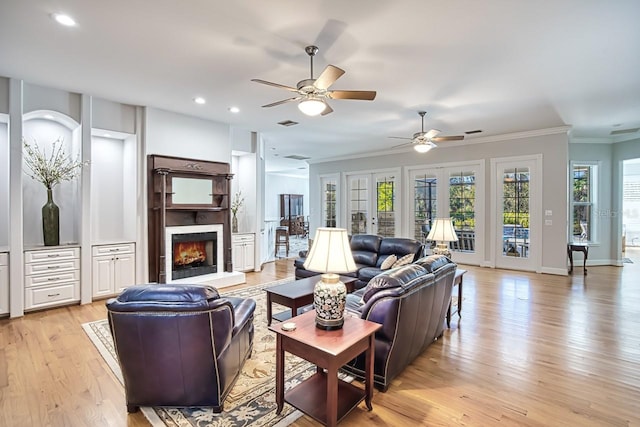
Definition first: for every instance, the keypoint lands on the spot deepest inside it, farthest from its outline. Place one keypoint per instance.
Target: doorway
(631, 211)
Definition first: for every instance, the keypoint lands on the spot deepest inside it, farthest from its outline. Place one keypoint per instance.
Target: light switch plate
(548, 212)
(548, 222)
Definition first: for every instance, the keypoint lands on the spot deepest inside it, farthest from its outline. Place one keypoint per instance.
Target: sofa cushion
(364, 248)
(433, 262)
(407, 259)
(388, 262)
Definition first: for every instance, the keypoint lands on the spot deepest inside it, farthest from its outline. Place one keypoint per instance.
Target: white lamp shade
(442, 231)
(330, 252)
(312, 106)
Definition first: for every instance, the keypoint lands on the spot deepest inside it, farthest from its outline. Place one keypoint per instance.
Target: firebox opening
(193, 254)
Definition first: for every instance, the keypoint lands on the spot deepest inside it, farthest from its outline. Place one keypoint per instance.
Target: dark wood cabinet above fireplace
(185, 192)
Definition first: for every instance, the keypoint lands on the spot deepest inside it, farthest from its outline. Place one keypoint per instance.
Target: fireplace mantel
(178, 196)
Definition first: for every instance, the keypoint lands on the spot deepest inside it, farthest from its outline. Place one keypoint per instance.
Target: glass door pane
(329, 200)
(385, 197)
(515, 212)
(358, 204)
(425, 196)
(462, 209)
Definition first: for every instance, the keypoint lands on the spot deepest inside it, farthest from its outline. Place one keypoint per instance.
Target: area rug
(251, 402)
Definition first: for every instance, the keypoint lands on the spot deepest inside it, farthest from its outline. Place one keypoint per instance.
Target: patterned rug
(251, 402)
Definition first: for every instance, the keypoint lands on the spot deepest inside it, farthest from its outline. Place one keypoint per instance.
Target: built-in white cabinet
(243, 251)
(113, 268)
(4, 283)
(51, 277)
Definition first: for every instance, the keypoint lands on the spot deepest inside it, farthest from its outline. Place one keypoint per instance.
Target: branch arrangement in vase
(53, 169)
(238, 200)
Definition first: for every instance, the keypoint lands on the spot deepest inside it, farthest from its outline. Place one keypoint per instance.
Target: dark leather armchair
(180, 345)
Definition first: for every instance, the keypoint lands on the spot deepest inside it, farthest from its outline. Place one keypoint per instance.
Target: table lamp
(442, 232)
(330, 255)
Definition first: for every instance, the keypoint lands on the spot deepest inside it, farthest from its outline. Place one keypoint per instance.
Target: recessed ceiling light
(63, 19)
(107, 135)
(48, 116)
(199, 100)
(234, 110)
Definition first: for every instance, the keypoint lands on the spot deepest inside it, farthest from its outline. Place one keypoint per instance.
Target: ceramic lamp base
(442, 249)
(329, 299)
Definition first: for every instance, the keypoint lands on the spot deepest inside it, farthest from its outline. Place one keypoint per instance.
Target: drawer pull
(114, 250)
(53, 267)
(53, 295)
(53, 255)
(51, 279)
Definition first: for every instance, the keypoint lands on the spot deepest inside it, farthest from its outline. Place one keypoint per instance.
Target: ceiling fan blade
(327, 110)
(364, 95)
(284, 101)
(400, 137)
(431, 133)
(406, 144)
(328, 76)
(264, 82)
(448, 138)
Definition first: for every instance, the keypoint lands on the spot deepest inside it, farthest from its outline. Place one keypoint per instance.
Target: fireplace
(193, 251)
(193, 254)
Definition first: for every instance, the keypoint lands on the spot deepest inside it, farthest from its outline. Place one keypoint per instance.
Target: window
(329, 203)
(583, 201)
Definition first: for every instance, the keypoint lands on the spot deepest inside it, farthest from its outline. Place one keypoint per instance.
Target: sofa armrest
(243, 310)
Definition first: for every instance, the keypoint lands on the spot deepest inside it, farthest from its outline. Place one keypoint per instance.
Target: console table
(457, 281)
(578, 247)
(317, 396)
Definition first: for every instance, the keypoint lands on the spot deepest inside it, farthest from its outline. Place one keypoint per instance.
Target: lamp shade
(330, 252)
(312, 106)
(442, 231)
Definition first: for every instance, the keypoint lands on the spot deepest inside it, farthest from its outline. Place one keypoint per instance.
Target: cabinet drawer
(51, 279)
(113, 249)
(51, 255)
(51, 295)
(4, 259)
(51, 268)
(242, 238)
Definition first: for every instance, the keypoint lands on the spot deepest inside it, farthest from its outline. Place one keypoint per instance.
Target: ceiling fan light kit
(423, 147)
(313, 93)
(312, 106)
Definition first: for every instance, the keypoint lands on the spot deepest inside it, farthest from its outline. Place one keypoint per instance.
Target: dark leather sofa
(410, 302)
(369, 252)
(179, 345)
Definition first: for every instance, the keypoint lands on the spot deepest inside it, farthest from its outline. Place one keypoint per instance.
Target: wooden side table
(457, 281)
(578, 247)
(317, 396)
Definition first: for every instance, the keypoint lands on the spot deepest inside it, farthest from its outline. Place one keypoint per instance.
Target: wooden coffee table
(296, 295)
(317, 396)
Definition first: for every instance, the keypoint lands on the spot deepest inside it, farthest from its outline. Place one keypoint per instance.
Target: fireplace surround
(189, 196)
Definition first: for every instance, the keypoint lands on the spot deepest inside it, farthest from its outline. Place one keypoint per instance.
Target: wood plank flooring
(530, 350)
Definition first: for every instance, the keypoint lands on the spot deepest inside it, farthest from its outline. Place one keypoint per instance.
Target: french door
(516, 217)
(372, 203)
(456, 192)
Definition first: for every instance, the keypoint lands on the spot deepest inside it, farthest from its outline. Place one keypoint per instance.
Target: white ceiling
(498, 65)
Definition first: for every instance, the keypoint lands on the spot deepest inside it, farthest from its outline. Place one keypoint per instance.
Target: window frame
(593, 220)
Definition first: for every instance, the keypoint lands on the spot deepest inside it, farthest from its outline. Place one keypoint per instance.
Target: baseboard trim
(555, 271)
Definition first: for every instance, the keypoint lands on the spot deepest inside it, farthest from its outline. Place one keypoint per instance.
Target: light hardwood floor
(530, 349)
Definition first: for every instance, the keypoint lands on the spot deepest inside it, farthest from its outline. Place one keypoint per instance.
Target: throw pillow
(388, 262)
(407, 259)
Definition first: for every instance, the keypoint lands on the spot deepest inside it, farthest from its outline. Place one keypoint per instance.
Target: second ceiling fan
(313, 93)
(424, 141)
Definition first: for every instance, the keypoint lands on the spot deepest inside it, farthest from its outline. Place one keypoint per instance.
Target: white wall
(110, 115)
(4, 185)
(281, 184)
(173, 134)
(552, 144)
(4, 95)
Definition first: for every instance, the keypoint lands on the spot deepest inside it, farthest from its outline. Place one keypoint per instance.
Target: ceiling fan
(424, 141)
(313, 93)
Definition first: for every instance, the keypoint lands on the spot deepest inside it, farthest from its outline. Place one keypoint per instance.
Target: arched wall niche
(45, 128)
